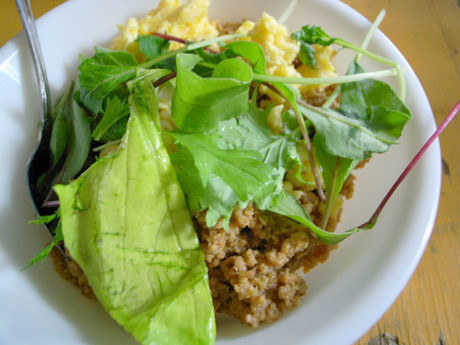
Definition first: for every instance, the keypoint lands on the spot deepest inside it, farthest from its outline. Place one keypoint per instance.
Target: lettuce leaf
(126, 223)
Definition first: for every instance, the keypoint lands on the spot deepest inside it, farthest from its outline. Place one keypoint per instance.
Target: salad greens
(125, 217)
(125, 221)
(226, 154)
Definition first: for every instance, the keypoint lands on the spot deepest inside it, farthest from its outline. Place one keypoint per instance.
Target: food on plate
(199, 167)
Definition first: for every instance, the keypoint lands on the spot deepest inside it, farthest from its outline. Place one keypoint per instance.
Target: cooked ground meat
(254, 264)
(69, 270)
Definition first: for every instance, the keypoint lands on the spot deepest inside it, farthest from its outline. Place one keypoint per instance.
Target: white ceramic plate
(346, 295)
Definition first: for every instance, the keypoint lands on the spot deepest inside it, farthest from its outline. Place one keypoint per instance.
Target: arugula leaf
(134, 238)
(45, 251)
(152, 46)
(78, 141)
(103, 73)
(199, 103)
(335, 172)
(251, 51)
(346, 137)
(60, 129)
(376, 102)
(371, 118)
(307, 55)
(287, 206)
(44, 219)
(114, 112)
(313, 34)
(308, 35)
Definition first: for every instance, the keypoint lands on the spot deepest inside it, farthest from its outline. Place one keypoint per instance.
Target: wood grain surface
(428, 34)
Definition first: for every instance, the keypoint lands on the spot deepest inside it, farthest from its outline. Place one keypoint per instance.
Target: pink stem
(177, 39)
(414, 160)
(165, 78)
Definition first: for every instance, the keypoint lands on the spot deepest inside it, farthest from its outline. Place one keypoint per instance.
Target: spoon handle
(28, 22)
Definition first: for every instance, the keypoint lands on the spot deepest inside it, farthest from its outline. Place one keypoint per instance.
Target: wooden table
(428, 34)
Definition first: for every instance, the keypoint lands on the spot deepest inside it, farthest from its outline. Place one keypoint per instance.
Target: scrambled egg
(324, 68)
(188, 21)
(280, 49)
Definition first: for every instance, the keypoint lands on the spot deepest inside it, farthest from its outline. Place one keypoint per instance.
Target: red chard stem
(414, 160)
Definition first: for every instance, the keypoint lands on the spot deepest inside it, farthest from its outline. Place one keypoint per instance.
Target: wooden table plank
(428, 34)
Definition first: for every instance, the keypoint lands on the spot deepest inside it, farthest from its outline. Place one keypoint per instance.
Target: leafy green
(45, 251)
(243, 170)
(133, 237)
(376, 102)
(313, 34)
(103, 73)
(248, 135)
(78, 141)
(114, 112)
(251, 51)
(306, 36)
(371, 118)
(199, 103)
(344, 136)
(287, 206)
(335, 171)
(152, 46)
(45, 219)
(60, 129)
(250, 131)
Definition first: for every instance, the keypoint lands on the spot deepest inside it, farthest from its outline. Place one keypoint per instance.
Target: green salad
(120, 191)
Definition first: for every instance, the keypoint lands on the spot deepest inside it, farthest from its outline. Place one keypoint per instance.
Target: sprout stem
(326, 80)
(303, 130)
(287, 12)
(409, 167)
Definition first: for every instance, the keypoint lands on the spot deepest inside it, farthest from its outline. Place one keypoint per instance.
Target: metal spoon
(36, 165)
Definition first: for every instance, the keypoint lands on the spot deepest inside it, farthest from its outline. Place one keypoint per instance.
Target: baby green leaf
(134, 238)
(346, 137)
(103, 73)
(308, 35)
(249, 131)
(44, 219)
(199, 103)
(243, 170)
(375, 102)
(60, 130)
(313, 34)
(152, 46)
(245, 133)
(251, 51)
(335, 171)
(78, 141)
(115, 110)
(288, 207)
(45, 251)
